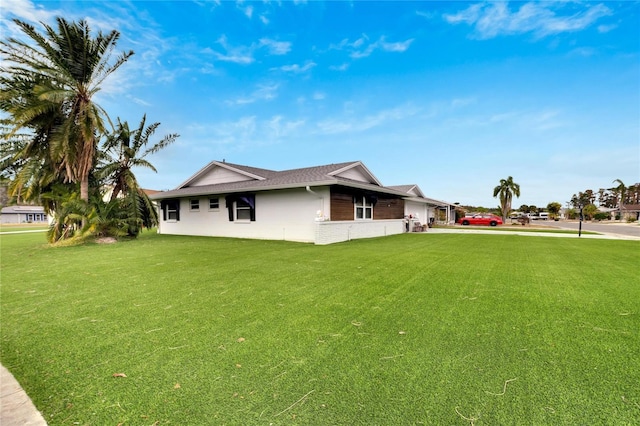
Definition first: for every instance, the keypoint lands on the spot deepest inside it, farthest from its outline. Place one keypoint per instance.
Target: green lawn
(446, 329)
(23, 227)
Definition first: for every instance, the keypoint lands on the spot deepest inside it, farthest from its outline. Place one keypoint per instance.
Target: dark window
(170, 210)
(194, 205)
(241, 207)
(214, 203)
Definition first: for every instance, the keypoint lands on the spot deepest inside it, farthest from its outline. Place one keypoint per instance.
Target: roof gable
(412, 190)
(218, 172)
(356, 171)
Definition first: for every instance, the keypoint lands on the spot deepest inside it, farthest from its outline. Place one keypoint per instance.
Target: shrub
(602, 216)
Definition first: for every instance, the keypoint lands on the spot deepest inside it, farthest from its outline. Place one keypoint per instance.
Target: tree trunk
(84, 188)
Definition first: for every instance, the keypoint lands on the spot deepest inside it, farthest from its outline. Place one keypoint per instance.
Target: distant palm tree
(48, 85)
(620, 189)
(506, 190)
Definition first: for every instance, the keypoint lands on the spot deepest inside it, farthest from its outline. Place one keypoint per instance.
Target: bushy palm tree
(77, 220)
(505, 191)
(125, 149)
(48, 84)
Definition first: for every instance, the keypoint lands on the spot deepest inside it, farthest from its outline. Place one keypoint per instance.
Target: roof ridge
(332, 165)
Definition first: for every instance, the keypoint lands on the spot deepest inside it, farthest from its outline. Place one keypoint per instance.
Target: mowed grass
(411, 329)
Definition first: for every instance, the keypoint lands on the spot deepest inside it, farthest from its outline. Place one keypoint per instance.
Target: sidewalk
(16, 408)
(601, 236)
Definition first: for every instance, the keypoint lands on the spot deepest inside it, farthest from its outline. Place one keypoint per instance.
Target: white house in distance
(23, 214)
(321, 204)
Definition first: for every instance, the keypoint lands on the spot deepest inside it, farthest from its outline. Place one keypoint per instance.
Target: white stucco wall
(280, 215)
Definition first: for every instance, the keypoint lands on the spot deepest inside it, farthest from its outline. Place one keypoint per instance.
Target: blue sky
(452, 96)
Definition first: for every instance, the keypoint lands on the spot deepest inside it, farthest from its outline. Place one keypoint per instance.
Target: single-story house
(321, 204)
(23, 214)
(630, 211)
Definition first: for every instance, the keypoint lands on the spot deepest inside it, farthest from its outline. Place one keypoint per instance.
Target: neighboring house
(23, 214)
(630, 211)
(322, 204)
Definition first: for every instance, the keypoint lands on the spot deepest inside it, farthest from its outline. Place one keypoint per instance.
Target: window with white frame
(364, 208)
(243, 210)
(214, 203)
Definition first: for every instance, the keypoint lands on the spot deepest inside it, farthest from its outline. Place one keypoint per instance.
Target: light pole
(580, 224)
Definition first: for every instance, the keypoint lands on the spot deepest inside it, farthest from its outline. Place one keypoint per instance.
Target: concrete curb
(16, 408)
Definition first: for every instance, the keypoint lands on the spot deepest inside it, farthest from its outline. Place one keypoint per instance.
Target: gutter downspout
(320, 197)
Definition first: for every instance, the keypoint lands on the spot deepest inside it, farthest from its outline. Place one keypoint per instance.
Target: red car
(481, 219)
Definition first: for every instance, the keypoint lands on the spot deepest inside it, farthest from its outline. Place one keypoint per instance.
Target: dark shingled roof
(294, 178)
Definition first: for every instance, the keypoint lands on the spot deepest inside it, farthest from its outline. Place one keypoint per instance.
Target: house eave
(192, 192)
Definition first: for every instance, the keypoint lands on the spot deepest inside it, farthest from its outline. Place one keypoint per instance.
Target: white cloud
(607, 28)
(25, 10)
(297, 69)
(248, 11)
(542, 19)
(244, 55)
(276, 47)
(278, 127)
(461, 102)
(225, 133)
(341, 67)
(395, 47)
(360, 124)
(236, 54)
(380, 44)
(362, 47)
(427, 15)
(583, 51)
(262, 93)
(140, 101)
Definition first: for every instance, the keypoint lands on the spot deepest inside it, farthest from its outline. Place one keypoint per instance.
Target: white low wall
(338, 231)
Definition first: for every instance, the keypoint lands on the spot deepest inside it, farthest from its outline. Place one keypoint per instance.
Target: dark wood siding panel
(385, 207)
(388, 208)
(341, 206)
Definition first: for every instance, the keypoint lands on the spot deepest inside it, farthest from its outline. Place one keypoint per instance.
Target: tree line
(59, 148)
(588, 202)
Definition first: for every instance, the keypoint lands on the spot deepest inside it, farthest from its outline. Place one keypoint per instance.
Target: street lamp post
(580, 224)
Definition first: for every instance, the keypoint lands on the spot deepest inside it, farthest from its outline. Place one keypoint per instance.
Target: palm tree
(506, 190)
(620, 189)
(48, 86)
(125, 149)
